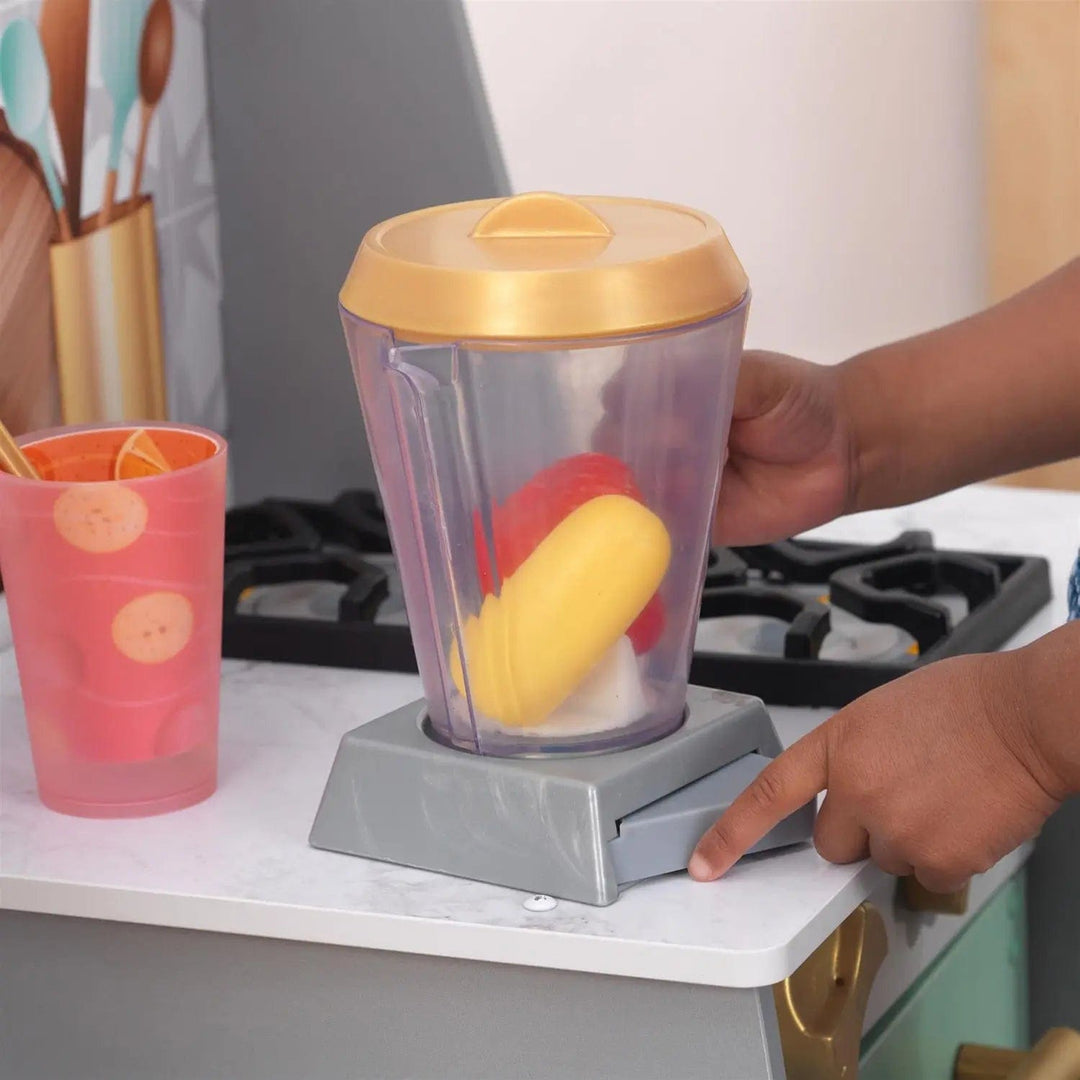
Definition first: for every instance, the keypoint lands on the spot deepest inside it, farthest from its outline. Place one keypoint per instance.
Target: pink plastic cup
(114, 593)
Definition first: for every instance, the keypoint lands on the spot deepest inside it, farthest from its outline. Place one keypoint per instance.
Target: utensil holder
(107, 317)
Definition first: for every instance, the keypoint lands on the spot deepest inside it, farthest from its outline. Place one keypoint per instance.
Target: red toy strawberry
(531, 512)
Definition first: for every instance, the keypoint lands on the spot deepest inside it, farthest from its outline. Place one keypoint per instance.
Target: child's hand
(790, 459)
(939, 773)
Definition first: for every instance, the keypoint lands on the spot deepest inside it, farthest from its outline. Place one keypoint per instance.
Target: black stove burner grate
(279, 542)
(813, 562)
(893, 584)
(346, 544)
(808, 620)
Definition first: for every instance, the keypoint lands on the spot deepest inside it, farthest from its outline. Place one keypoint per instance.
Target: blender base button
(540, 903)
(660, 838)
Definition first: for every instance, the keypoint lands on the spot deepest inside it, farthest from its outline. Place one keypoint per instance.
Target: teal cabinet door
(976, 992)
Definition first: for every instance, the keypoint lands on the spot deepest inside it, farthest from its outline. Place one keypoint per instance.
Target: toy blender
(547, 385)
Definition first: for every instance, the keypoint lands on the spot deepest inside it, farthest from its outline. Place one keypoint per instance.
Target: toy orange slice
(139, 456)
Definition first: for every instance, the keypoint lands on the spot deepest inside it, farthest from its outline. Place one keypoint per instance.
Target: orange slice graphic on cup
(100, 518)
(153, 627)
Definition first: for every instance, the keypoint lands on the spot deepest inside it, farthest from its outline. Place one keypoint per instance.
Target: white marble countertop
(240, 862)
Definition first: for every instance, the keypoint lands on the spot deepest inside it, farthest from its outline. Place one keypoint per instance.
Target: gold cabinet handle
(821, 1006)
(1056, 1056)
(916, 897)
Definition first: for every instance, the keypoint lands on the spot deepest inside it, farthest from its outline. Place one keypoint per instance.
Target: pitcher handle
(435, 439)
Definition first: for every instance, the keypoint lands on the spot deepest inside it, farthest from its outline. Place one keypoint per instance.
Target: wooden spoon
(65, 31)
(155, 61)
(13, 459)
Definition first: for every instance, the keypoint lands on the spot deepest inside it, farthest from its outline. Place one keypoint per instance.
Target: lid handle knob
(540, 215)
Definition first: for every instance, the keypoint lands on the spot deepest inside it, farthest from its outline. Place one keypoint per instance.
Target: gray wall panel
(328, 116)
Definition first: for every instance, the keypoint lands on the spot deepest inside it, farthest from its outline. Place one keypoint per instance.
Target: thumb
(784, 785)
(764, 379)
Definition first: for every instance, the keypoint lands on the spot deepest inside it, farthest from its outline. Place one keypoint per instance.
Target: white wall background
(837, 142)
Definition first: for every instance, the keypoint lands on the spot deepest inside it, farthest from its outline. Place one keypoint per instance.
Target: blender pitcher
(547, 384)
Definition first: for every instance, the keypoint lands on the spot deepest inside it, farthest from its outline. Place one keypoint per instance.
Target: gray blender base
(572, 827)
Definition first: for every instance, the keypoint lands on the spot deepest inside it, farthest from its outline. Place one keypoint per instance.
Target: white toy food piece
(611, 696)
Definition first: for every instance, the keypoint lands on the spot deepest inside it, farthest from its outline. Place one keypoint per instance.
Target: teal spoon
(121, 34)
(24, 80)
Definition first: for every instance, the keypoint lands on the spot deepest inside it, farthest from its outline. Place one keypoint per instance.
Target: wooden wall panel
(1031, 87)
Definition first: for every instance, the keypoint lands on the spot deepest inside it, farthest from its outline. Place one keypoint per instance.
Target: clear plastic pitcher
(547, 385)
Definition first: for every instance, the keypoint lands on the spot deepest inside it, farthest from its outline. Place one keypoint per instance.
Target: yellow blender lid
(543, 267)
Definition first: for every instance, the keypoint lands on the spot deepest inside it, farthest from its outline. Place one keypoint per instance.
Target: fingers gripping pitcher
(547, 384)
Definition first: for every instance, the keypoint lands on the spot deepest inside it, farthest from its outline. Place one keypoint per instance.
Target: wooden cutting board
(28, 386)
